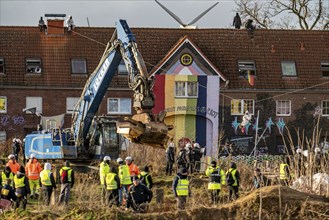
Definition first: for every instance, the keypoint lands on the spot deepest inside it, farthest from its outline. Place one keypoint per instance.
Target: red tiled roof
(223, 47)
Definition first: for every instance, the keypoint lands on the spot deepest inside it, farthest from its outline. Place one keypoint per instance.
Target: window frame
(69, 111)
(243, 110)
(325, 68)
(5, 105)
(244, 66)
(282, 107)
(38, 104)
(323, 109)
(186, 89)
(31, 66)
(2, 66)
(122, 66)
(284, 74)
(119, 112)
(78, 72)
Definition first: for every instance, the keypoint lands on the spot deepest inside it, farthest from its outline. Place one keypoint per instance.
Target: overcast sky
(138, 13)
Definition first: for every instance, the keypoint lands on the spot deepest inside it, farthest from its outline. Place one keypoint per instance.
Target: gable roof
(179, 45)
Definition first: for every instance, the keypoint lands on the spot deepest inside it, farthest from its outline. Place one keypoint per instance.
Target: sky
(138, 13)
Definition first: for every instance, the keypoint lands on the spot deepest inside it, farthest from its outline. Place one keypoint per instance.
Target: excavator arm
(144, 127)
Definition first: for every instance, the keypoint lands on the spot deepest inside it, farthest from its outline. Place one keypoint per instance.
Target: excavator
(91, 136)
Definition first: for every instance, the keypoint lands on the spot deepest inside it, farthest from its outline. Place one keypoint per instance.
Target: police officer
(104, 169)
(125, 180)
(180, 188)
(216, 180)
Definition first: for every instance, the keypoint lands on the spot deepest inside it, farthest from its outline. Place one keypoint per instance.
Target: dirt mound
(291, 204)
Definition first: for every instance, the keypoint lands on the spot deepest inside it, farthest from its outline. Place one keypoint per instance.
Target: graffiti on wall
(9, 122)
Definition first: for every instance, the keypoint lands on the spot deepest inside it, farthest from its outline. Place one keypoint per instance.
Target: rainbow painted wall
(195, 118)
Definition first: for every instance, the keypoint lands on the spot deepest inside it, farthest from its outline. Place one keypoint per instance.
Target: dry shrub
(147, 155)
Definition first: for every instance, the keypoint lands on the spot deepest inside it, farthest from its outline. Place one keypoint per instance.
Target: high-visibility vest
(4, 177)
(69, 173)
(233, 171)
(19, 182)
(124, 175)
(215, 178)
(133, 169)
(45, 178)
(145, 175)
(283, 175)
(33, 170)
(14, 167)
(110, 181)
(103, 171)
(182, 187)
(5, 192)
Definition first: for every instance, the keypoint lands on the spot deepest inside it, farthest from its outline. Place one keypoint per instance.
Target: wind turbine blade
(202, 14)
(171, 14)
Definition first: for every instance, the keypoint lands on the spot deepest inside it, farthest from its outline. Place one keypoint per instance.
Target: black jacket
(139, 194)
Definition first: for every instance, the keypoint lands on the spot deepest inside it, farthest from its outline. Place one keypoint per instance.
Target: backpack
(229, 179)
(182, 158)
(65, 176)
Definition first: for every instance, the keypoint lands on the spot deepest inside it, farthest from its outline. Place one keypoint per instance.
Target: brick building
(288, 73)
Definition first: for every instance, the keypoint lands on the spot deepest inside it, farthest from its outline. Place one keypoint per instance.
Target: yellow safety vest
(4, 177)
(233, 171)
(103, 171)
(19, 182)
(5, 192)
(45, 178)
(145, 175)
(124, 175)
(215, 172)
(283, 175)
(182, 187)
(110, 182)
(69, 173)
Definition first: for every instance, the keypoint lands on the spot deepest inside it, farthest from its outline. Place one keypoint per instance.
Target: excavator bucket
(142, 129)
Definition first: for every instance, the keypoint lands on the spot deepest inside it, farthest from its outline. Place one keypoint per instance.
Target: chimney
(55, 24)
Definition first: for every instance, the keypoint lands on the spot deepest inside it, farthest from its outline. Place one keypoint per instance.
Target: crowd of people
(124, 185)
(19, 183)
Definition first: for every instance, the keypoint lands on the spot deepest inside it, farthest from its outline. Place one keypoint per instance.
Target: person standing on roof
(12, 163)
(22, 188)
(70, 23)
(125, 180)
(216, 180)
(6, 174)
(133, 169)
(237, 21)
(42, 25)
(181, 188)
(104, 169)
(32, 170)
(67, 181)
(170, 158)
(112, 184)
(47, 183)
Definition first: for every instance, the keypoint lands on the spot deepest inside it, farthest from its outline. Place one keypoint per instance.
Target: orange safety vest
(133, 169)
(33, 170)
(14, 167)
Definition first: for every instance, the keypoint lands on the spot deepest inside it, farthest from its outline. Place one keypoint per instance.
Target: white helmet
(107, 158)
(32, 156)
(11, 157)
(196, 145)
(317, 150)
(119, 160)
(188, 145)
(129, 158)
(171, 144)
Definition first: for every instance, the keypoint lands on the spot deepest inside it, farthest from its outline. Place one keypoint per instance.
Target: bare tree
(294, 14)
